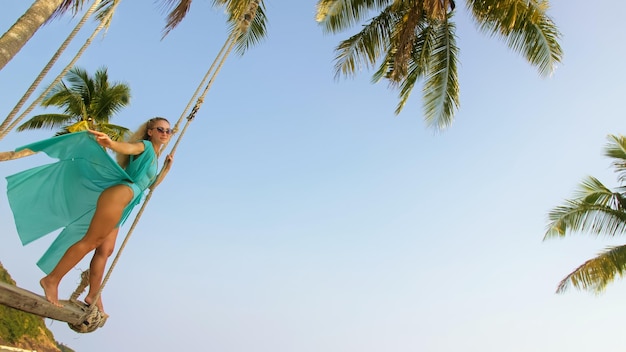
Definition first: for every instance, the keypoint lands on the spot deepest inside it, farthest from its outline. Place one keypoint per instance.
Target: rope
(84, 282)
(219, 60)
(4, 130)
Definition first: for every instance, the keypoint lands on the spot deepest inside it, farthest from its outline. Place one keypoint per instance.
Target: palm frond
(337, 15)
(255, 32)
(438, 9)
(86, 103)
(592, 191)
(410, 21)
(117, 133)
(73, 6)
(103, 10)
(441, 88)
(418, 65)
(595, 274)
(57, 90)
(594, 209)
(45, 121)
(525, 27)
(177, 9)
(365, 47)
(109, 102)
(616, 149)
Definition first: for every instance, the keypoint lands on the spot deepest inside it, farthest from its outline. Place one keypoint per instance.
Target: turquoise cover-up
(64, 194)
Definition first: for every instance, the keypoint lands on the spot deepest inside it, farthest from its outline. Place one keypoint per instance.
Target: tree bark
(10, 155)
(16, 37)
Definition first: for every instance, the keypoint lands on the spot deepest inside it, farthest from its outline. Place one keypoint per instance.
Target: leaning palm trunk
(16, 37)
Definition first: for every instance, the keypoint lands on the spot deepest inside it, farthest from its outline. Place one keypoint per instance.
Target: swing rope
(6, 125)
(210, 76)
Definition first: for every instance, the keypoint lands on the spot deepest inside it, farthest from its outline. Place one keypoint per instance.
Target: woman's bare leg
(97, 266)
(109, 208)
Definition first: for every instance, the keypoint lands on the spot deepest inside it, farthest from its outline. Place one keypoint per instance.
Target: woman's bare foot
(99, 305)
(50, 290)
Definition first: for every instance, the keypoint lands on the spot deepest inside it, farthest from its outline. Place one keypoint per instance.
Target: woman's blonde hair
(140, 134)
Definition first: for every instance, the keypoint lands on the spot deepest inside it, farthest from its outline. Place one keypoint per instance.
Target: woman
(88, 194)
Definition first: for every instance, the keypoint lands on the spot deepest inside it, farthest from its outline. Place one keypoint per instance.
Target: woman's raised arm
(119, 147)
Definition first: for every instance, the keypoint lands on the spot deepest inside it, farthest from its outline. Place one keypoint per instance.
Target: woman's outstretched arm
(119, 147)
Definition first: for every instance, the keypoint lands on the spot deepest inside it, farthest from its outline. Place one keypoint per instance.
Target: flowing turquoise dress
(64, 194)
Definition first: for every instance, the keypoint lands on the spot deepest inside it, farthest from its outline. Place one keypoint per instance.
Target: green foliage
(16, 325)
(88, 102)
(5, 277)
(597, 210)
(413, 41)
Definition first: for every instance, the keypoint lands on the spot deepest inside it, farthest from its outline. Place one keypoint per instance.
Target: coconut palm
(42, 11)
(235, 9)
(88, 102)
(411, 40)
(177, 10)
(597, 210)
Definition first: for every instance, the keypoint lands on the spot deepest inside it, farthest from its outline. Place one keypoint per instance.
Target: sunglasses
(163, 130)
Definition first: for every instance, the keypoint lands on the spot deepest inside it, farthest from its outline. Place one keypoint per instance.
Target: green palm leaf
(597, 210)
(594, 209)
(257, 29)
(525, 27)
(616, 149)
(364, 48)
(441, 89)
(338, 15)
(178, 9)
(117, 133)
(45, 121)
(407, 53)
(417, 67)
(595, 274)
(87, 102)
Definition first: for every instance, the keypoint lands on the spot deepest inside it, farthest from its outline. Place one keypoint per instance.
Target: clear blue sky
(302, 215)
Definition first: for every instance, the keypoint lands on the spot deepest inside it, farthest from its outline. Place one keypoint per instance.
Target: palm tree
(415, 39)
(597, 210)
(235, 9)
(40, 12)
(89, 102)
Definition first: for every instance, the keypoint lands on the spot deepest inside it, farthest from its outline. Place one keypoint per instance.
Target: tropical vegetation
(87, 102)
(18, 328)
(407, 41)
(43, 11)
(597, 210)
(413, 40)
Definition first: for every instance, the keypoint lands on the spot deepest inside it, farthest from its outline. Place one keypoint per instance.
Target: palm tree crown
(88, 102)
(235, 9)
(597, 210)
(412, 40)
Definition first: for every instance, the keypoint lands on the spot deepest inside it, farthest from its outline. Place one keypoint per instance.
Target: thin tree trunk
(10, 155)
(16, 37)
